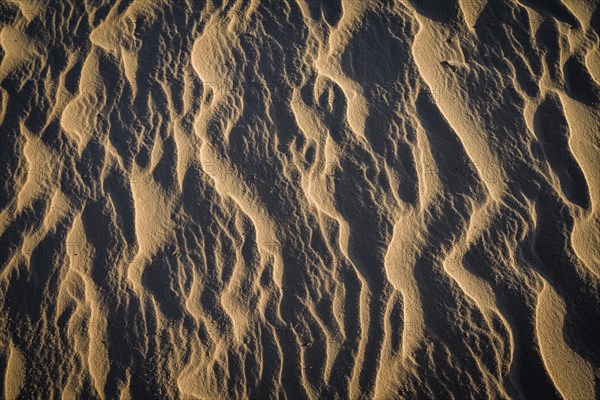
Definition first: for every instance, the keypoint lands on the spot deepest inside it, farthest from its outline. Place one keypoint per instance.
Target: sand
(300, 199)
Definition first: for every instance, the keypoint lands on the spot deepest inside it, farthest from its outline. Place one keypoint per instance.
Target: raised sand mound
(385, 199)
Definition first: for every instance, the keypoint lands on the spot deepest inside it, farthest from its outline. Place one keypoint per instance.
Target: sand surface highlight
(300, 199)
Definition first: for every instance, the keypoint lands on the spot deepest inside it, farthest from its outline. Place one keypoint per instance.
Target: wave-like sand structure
(300, 200)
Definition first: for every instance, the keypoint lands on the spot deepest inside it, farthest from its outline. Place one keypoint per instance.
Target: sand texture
(300, 199)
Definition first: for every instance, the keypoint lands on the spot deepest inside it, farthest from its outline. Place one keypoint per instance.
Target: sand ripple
(320, 200)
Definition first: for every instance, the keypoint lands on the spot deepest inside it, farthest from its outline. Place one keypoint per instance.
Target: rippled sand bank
(300, 199)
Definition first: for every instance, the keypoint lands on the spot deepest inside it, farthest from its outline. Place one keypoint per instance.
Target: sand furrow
(304, 200)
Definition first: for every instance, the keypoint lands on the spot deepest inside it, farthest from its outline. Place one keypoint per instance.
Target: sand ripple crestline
(299, 199)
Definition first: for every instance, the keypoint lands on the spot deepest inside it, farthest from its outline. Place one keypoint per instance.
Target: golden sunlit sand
(300, 199)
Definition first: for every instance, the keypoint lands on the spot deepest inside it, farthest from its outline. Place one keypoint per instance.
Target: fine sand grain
(300, 199)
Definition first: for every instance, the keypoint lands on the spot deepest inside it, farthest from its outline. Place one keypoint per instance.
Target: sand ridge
(322, 200)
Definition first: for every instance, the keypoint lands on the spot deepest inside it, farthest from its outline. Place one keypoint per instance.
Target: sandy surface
(300, 199)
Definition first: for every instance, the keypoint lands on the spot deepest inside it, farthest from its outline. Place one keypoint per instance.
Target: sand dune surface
(341, 199)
